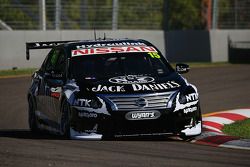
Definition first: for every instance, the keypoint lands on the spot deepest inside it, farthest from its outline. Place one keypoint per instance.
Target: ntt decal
(107, 50)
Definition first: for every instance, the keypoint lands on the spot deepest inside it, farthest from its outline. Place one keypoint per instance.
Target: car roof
(107, 41)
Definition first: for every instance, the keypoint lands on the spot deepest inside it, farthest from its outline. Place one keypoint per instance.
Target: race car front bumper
(96, 126)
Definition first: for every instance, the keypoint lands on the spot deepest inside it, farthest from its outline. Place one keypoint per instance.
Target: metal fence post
(58, 15)
(42, 13)
(215, 14)
(115, 15)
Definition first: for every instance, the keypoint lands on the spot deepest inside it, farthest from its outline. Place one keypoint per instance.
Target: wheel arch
(33, 99)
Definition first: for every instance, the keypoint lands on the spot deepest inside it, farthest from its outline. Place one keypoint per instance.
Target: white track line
(211, 128)
(243, 112)
(218, 120)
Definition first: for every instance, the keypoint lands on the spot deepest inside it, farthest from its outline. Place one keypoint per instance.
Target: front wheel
(65, 120)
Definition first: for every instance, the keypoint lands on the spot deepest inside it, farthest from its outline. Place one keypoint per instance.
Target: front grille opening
(130, 102)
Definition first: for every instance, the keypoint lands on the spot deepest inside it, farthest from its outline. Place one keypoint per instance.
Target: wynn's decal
(131, 79)
(98, 45)
(141, 115)
(154, 87)
(106, 50)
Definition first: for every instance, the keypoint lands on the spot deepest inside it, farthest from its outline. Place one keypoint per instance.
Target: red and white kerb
(107, 50)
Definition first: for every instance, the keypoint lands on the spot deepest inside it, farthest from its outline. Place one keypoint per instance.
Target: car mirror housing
(182, 68)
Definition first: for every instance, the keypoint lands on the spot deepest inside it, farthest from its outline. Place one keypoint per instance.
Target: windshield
(118, 64)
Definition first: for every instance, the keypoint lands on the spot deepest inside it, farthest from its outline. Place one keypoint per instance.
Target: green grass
(16, 72)
(239, 128)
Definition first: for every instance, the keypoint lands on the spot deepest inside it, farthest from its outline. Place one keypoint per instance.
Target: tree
(184, 14)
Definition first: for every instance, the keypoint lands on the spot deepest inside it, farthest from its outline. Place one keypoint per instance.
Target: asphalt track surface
(220, 88)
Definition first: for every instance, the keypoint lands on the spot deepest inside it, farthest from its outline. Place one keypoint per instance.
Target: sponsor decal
(180, 106)
(192, 97)
(131, 79)
(56, 92)
(87, 115)
(190, 109)
(38, 44)
(82, 102)
(102, 108)
(101, 88)
(154, 87)
(107, 50)
(154, 55)
(98, 45)
(142, 115)
(137, 87)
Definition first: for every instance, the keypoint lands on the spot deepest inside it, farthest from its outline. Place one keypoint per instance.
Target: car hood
(132, 84)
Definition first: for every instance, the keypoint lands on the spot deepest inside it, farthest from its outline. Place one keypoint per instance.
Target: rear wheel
(65, 120)
(32, 116)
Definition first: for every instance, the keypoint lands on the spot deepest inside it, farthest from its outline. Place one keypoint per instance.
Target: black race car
(99, 89)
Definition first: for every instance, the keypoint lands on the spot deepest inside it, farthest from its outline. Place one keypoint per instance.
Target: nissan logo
(141, 102)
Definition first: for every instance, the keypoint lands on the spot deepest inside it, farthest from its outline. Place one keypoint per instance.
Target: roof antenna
(95, 34)
(104, 38)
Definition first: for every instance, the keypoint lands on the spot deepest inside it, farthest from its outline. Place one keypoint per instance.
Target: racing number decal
(154, 55)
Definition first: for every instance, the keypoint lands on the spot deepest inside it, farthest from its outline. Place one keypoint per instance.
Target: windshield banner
(107, 50)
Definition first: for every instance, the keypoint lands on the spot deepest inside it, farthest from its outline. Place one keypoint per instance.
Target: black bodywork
(111, 88)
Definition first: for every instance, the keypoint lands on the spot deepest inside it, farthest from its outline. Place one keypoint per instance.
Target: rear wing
(42, 45)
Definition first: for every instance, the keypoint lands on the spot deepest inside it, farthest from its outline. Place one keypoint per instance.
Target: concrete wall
(181, 46)
(12, 43)
(201, 46)
(219, 42)
(188, 46)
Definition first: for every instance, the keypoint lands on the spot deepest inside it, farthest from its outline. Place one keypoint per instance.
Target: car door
(48, 81)
(55, 85)
(42, 91)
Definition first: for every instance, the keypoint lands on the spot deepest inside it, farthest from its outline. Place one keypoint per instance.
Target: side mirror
(54, 78)
(182, 68)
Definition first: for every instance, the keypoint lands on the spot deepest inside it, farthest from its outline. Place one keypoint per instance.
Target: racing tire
(32, 116)
(65, 120)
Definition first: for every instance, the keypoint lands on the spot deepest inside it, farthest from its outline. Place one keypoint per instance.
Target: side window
(61, 63)
(46, 61)
(52, 60)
